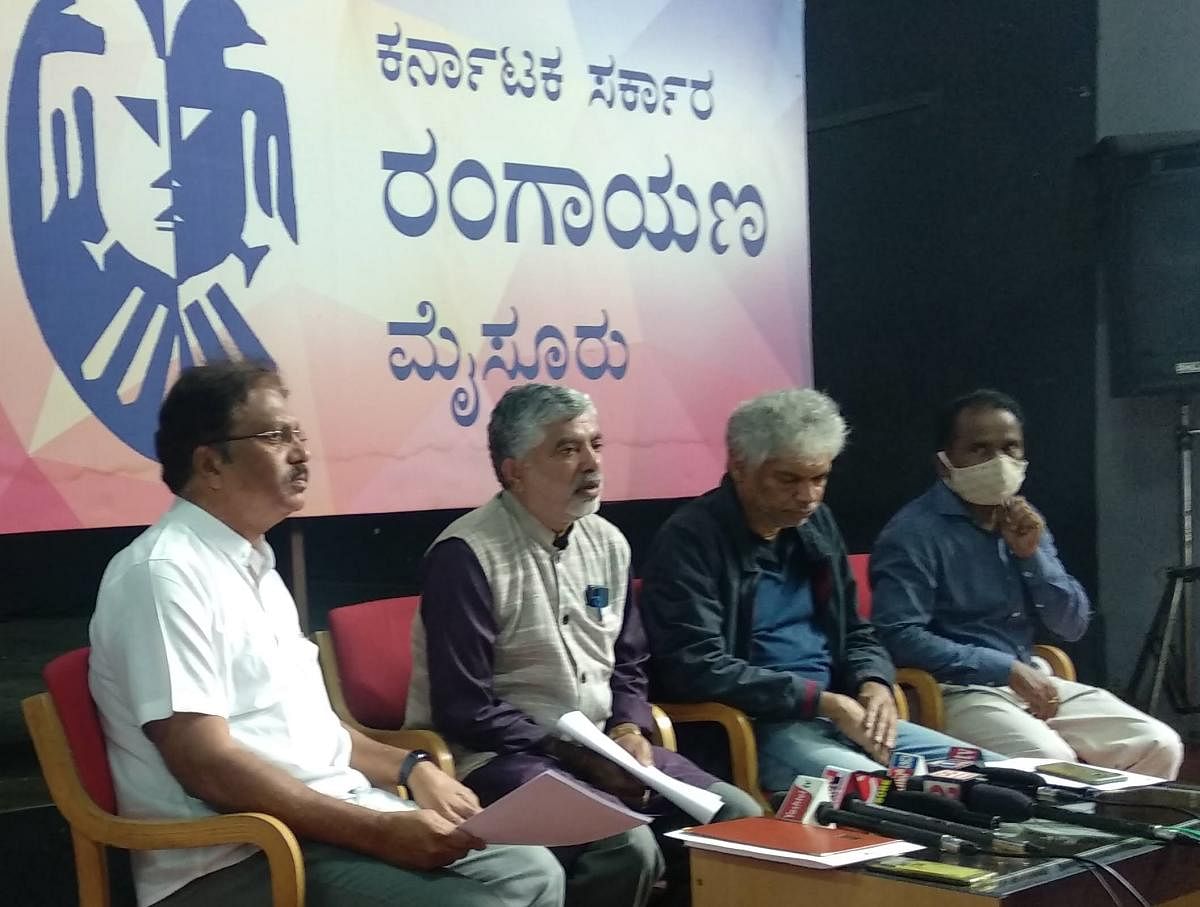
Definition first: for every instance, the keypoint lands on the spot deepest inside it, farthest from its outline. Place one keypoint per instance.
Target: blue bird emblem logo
(139, 162)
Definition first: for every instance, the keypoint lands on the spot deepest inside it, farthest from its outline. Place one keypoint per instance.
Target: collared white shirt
(192, 617)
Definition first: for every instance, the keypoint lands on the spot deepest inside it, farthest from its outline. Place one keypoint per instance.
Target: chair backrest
(372, 641)
(859, 564)
(67, 682)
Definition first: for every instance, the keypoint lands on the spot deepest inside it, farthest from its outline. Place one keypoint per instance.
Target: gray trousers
(621, 871)
(499, 876)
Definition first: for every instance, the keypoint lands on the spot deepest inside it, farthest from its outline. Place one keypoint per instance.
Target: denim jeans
(790, 748)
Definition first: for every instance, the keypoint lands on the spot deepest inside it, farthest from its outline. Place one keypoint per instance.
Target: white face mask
(992, 482)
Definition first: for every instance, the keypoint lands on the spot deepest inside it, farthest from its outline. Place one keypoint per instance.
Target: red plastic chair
(67, 735)
(366, 657)
(860, 567)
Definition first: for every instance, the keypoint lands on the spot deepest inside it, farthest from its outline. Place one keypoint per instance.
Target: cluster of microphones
(957, 808)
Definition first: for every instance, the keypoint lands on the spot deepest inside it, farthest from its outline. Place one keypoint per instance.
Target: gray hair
(800, 422)
(519, 421)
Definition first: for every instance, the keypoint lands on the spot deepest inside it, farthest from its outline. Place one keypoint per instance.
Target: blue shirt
(786, 635)
(951, 598)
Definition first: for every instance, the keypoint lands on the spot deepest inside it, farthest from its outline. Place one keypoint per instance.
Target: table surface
(1167, 874)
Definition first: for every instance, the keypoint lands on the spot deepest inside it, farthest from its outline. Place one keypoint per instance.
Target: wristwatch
(411, 761)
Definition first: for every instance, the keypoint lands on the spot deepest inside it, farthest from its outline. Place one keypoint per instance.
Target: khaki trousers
(1092, 725)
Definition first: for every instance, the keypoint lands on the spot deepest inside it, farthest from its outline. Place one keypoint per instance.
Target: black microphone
(941, 826)
(1033, 784)
(1014, 806)
(827, 815)
(914, 801)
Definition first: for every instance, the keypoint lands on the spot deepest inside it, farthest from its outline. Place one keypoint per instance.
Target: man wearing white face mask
(965, 575)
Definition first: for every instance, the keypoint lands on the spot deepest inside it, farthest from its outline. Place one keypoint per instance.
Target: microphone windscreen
(1011, 777)
(1009, 805)
(926, 804)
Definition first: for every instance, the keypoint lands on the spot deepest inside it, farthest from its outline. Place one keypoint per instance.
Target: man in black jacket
(748, 599)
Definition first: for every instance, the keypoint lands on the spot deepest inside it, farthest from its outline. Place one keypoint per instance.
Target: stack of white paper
(702, 805)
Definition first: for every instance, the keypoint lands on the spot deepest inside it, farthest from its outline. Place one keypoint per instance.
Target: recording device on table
(983, 839)
(867, 801)
(870, 801)
(817, 801)
(947, 873)
(827, 814)
(1085, 774)
(915, 801)
(1014, 796)
(956, 783)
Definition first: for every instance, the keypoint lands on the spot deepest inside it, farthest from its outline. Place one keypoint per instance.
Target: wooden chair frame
(408, 739)
(93, 828)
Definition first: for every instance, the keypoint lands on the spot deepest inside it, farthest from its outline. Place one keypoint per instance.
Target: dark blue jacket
(697, 604)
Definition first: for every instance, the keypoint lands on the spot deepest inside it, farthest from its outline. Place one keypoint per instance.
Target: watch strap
(411, 761)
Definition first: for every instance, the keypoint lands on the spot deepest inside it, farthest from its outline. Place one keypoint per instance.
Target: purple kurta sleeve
(460, 638)
(628, 681)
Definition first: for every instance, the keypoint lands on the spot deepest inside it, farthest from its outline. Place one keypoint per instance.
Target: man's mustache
(591, 480)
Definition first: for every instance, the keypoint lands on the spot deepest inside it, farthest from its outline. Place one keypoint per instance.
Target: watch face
(410, 762)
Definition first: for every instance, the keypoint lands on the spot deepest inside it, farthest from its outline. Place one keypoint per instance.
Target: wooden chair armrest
(1059, 661)
(406, 738)
(931, 710)
(333, 684)
(663, 732)
(267, 833)
(89, 821)
(902, 710)
(743, 751)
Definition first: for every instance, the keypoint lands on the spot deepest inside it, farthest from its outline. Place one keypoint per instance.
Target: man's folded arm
(1058, 599)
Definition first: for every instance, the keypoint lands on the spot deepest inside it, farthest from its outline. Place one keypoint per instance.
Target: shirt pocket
(254, 679)
(299, 663)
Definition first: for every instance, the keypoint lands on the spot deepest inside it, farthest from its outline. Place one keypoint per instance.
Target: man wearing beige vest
(526, 614)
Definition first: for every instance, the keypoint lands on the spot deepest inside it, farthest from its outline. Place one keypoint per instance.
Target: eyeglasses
(276, 437)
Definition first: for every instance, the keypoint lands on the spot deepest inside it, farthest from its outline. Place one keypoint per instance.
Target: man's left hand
(637, 746)
(433, 789)
(1021, 526)
(879, 718)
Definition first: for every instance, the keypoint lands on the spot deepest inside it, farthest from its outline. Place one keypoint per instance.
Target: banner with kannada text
(409, 206)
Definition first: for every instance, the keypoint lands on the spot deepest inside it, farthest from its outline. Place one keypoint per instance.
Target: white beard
(581, 506)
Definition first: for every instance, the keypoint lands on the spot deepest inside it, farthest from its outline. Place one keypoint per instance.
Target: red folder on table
(779, 834)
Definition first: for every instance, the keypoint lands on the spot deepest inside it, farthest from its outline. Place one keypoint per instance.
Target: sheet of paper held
(700, 804)
(552, 810)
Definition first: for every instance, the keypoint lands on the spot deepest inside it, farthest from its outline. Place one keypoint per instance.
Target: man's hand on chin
(1021, 527)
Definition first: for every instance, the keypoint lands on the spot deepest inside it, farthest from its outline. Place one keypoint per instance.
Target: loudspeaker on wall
(1150, 243)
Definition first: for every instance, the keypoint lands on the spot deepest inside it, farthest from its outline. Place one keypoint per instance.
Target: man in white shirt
(212, 701)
